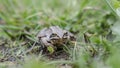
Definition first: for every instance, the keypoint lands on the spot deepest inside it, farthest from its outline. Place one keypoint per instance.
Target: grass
(94, 24)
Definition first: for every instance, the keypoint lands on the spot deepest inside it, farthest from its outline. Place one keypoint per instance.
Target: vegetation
(95, 23)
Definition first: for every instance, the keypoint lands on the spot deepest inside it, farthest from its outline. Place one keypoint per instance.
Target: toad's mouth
(54, 38)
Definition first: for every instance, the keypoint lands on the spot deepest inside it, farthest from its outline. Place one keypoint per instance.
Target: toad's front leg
(45, 42)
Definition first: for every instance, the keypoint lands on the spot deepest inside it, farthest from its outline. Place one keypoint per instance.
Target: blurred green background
(96, 21)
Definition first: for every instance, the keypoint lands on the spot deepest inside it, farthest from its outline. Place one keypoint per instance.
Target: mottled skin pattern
(54, 36)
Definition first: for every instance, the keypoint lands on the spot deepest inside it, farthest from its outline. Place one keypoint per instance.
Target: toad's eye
(65, 35)
(53, 35)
